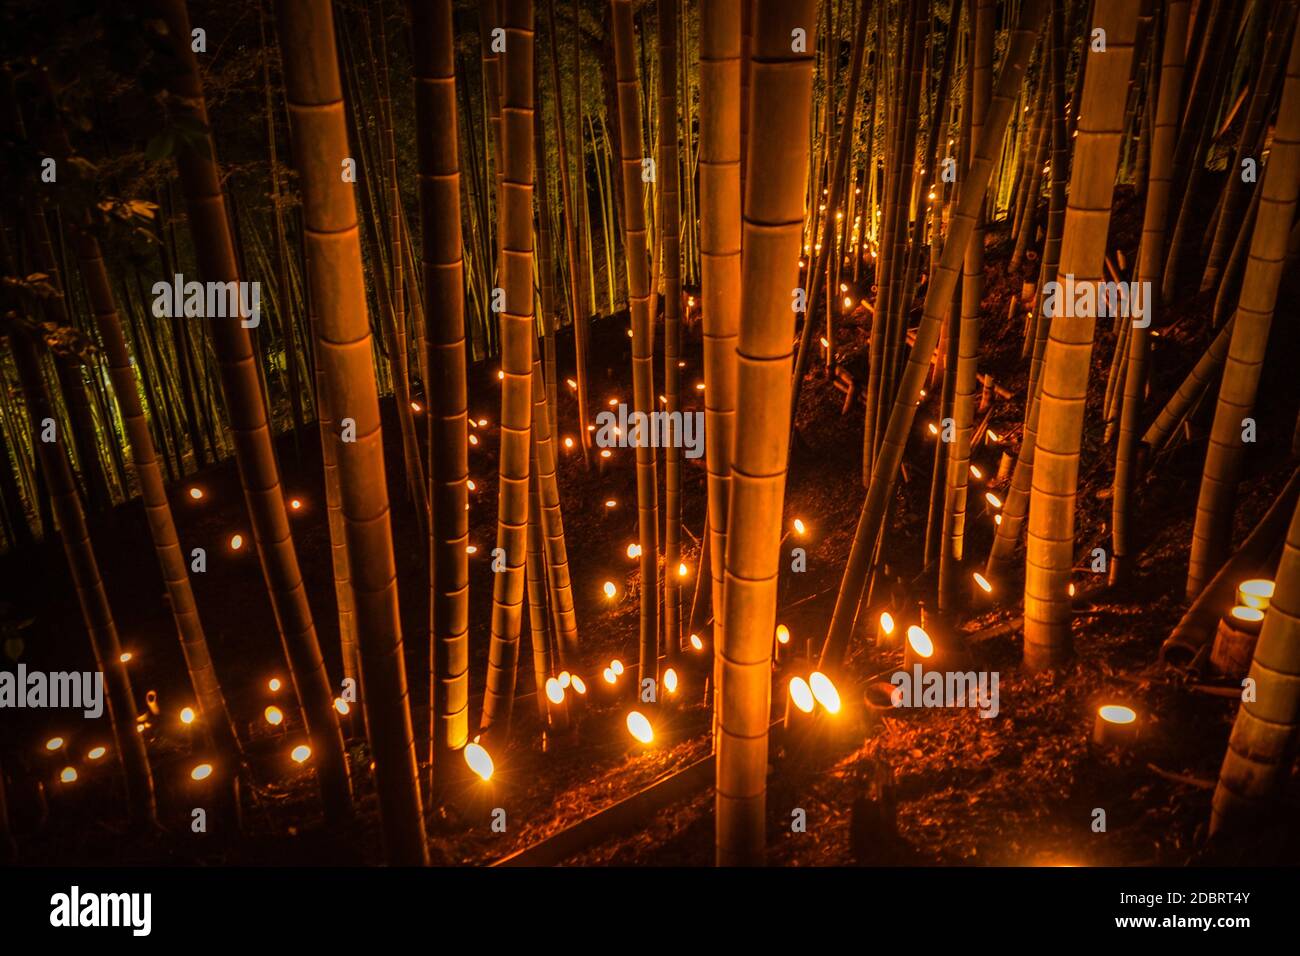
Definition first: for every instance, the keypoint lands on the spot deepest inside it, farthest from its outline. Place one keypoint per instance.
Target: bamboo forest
(664, 433)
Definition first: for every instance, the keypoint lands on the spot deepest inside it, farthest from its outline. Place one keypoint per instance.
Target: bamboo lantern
(1234, 641)
(1115, 726)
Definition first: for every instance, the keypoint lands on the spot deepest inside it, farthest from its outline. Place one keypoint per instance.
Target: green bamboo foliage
(259, 474)
(433, 44)
(938, 300)
(91, 596)
(1262, 746)
(720, 238)
(515, 275)
(1067, 360)
(1150, 261)
(780, 116)
(1212, 534)
(631, 154)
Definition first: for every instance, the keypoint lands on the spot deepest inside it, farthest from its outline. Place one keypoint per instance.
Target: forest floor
(1018, 789)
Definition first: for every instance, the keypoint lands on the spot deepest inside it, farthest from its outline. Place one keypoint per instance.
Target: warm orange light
(639, 727)
(196, 494)
(610, 590)
(617, 666)
(69, 775)
(824, 691)
(124, 657)
(1071, 589)
(799, 526)
(683, 570)
(920, 641)
(606, 453)
(296, 504)
(696, 642)
(274, 685)
(300, 753)
(473, 439)
(670, 681)
(554, 692)
(983, 582)
(699, 386)
(609, 675)
(993, 436)
(236, 542)
(482, 423)
(887, 622)
(1257, 593)
(201, 772)
(782, 634)
(187, 715)
(479, 760)
(568, 443)
(96, 753)
(993, 499)
(471, 549)
(415, 407)
(1252, 615)
(565, 678)
(501, 375)
(274, 715)
(571, 383)
(54, 743)
(342, 706)
(579, 685)
(634, 550)
(801, 694)
(1117, 714)
(934, 429)
(975, 472)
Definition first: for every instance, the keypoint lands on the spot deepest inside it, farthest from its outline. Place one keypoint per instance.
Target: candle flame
(670, 681)
(274, 715)
(824, 691)
(887, 622)
(610, 590)
(187, 715)
(696, 642)
(201, 772)
(920, 641)
(554, 692)
(479, 760)
(1117, 714)
(96, 753)
(69, 775)
(801, 694)
(639, 727)
(782, 634)
(300, 753)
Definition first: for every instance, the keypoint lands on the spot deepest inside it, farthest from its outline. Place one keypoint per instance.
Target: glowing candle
(124, 657)
(236, 542)
(342, 706)
(782, 634)
(639, 727)
(1256, 593)
(187, 715)
(824, 692)
(670, 681)
(274, 716)
(96, 753)
(479, 760)
(634, 550)
(578, 684)
(201, 772)
(799, 526)
(296, 504)
(54, 743)
(69, 775)
(274, 685)
(983, 582)
(696, 642)
(300, 753)
(617, 666)
(196, 494)
(554, 692)
(801, 694)
(1115, 724)
(610, 590)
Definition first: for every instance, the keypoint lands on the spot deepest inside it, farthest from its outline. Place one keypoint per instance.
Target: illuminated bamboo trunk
(343, 348)
(515, 275)
(1069, 348)
(1150, 261)
(670, 227)
(938, 300)
(259, 475)
(719, 265)
(1212, 534)
(1261, 748)
(780, 107)
(972, 291)
(437, 147)
(539, 628)
(643, 393)
(216, 723)
(91, 596)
